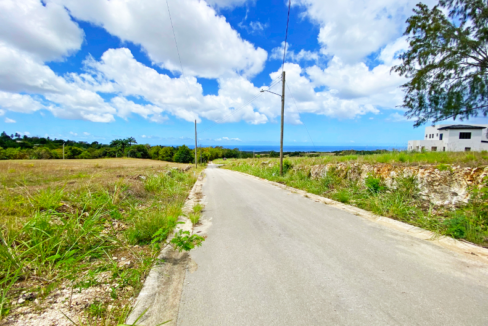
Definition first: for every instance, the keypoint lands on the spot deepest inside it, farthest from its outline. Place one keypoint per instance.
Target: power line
(250, 101)
(286, 35)
(174, 36)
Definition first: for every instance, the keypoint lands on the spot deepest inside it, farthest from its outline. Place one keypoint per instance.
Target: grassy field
(469, 221)
(409, 158)
(76, 235)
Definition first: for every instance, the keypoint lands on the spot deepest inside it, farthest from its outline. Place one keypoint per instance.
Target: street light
(282, 117)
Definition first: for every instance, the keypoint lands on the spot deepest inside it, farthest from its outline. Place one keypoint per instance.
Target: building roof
(461, 127)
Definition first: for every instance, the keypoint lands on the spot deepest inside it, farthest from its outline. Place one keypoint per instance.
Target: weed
(197, 208)
(194, 218)
(375, 185)
(184, 241)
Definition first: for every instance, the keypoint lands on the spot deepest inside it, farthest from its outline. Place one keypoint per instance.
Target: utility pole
(282, 117)
(196, 160)
(282, 122)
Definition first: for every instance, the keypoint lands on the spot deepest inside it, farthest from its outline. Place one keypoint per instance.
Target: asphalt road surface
(277, 258)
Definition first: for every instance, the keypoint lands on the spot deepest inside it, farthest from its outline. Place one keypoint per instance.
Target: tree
(139, 151)
(446, 62)
(131, 140)
(183, 155)
(166, 154)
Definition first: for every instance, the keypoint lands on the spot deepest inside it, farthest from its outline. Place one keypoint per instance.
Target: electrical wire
(286, 35)
(174, 37)
(178, 51)
(250, 101)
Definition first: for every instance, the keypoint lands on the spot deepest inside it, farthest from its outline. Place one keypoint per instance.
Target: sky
(98, 70)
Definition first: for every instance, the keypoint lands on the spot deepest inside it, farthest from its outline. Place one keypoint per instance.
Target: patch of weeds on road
(79, 248)
(184, 241)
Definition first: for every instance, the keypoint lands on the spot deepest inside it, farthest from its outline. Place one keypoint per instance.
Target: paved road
(276, 258)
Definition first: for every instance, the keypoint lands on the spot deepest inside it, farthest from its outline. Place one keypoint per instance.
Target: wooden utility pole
(196, 160)
(282, 122)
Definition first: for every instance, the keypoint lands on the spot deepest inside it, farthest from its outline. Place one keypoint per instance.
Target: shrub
(287, 165)
(183, 155)
(375, 185)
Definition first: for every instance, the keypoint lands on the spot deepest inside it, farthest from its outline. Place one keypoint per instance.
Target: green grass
(403, 202)
(54, 230)
(403, 157)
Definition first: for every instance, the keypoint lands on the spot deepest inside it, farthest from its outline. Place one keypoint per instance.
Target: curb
(158, 300)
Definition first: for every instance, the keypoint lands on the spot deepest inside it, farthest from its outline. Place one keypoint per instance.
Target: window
(434, 149)
(467, 149)
(426, 136)
(418, 147)
(440, 137)
(443, 149)
(465, 135)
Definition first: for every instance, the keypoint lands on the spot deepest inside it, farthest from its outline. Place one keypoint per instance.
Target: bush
(183, 155)
(166, 154)
(287, 165)
(375, 185)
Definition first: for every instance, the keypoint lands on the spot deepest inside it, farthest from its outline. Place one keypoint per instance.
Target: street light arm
(264, 90)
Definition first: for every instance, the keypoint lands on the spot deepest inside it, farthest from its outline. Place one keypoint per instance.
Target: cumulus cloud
(208, 45)
(45, 31)
(18, 103)
(7, 120)
(73, 133)
(352, 30)
(86, 133)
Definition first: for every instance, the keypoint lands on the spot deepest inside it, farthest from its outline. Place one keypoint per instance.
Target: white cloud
(18, 103)
(45, 31)
(208, 45)
(26, 133)
(227, 3)
(73, 133)
(353, 29)
(2, 112)
(86, 133)
(7, 120)
(291, 56)
(235, 139)
(357, 80)
(143, 136)
(225, 138)
(257, 26)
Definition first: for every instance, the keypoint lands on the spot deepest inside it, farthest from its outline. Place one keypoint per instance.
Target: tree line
(18, 147)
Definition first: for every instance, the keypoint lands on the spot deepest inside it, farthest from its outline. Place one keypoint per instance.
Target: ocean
(267, 148)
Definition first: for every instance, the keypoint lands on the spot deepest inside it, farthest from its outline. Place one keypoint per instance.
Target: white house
(454, 138)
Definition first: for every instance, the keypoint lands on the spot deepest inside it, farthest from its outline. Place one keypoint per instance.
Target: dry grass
(82, 229)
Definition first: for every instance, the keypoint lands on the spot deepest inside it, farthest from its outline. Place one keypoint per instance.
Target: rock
(447, 187)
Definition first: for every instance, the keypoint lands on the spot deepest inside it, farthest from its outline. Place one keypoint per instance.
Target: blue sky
(96, 70)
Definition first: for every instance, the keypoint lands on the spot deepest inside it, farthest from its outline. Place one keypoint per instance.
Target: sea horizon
(291, 148)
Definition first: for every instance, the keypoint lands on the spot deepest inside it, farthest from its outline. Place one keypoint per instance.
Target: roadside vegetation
(78, 237)
(466, 221)
(473, 159)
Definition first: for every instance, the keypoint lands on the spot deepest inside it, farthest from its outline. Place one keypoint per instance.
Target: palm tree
(131, 140)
